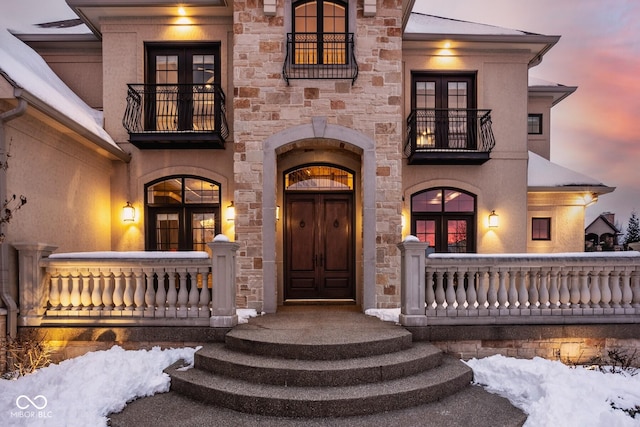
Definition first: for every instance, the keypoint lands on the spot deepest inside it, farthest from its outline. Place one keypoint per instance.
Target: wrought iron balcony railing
(449, 136)
(176, 116)
(320, 56)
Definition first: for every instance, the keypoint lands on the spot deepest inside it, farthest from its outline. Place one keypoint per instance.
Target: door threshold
(319, 301)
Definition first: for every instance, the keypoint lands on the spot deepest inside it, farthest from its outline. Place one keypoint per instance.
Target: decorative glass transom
(318, 178)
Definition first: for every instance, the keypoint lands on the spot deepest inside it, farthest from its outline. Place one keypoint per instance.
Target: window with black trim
(320, 28)
(445, 218)
(540, 228)
(183, 213)
(534, 124)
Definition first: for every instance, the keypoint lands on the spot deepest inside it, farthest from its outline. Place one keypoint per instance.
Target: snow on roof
(543, 173)
(41, 17)
(421, 23)
(534, 81)
(26, 69)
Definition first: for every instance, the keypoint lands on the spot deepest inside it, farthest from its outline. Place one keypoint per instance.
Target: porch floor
(316, 331)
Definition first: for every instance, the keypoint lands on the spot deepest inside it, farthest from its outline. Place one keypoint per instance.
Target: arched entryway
(319, 143)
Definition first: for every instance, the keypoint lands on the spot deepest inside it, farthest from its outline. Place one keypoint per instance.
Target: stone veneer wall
(264, 105)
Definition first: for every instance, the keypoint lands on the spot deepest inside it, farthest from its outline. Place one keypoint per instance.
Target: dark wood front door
(319, 246)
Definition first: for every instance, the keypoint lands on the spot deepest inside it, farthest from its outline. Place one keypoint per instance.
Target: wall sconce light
(277, 212)
(231, 212)
(494, 220)
(128, 212)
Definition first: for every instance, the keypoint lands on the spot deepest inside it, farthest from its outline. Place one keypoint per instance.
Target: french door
(319, 246)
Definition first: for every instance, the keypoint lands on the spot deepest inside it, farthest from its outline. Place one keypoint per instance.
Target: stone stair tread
(448, 378)
(217, 358)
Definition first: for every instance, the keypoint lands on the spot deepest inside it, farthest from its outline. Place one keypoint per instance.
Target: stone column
(223, 271)
(412, 256)
(33, 292)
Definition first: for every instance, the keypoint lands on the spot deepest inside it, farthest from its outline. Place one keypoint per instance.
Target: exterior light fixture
(494, 219)
(278, 213)
(590, 199)
(128, 212)
(231, 212)
(182, 11)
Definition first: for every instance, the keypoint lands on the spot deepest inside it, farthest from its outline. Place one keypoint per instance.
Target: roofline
(597, 189)
(113, 152)
(406, 12)
(607, 222)
(548, 41)
(564, 90)
(49, 37)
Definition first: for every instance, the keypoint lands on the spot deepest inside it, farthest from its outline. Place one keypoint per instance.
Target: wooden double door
(319, 246)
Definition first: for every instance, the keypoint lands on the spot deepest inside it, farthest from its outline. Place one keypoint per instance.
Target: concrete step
(220, 360)
(311, 402)
(319, 341)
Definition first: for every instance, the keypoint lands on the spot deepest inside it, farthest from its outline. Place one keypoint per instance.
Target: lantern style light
(231, 212)
(494, 220)
(128, 212)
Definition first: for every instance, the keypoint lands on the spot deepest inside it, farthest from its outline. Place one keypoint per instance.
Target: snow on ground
(83, 391)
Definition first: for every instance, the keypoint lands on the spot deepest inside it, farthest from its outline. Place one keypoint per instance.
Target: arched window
(320, 28)
(183, 213)
(445, 218)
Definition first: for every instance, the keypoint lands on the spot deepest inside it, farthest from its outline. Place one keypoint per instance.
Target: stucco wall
(566, 211)
(501, 183)
(541, 144)
(124, 62)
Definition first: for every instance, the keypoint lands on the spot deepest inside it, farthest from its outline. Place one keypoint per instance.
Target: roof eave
(103, 146)
(558, 92)
(594, 189)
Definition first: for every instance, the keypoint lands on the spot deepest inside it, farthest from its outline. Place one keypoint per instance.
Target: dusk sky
(596, 130)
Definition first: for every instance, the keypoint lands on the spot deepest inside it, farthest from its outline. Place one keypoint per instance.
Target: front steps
(303, 367)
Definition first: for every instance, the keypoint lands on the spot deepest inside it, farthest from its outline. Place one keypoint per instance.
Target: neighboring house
(602, 234)
(317, 134)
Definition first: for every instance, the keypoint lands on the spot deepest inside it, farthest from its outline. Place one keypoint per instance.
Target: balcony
(449, 136)
(320, 56)
(162, 116)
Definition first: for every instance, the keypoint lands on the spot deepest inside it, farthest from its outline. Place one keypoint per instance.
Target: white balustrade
(525, 288)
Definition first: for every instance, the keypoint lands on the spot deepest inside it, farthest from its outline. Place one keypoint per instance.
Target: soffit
(93, 11)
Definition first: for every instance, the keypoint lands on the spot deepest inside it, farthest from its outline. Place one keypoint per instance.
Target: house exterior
(602, 234)
(317, 135)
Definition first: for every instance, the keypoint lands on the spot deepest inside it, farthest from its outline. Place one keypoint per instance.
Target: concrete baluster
(54, 290)
(554, 292)
(512, 293)
(74, 297)
(482, 289)
(65, 296)
(118, 291)
(523, 293)
(461, 293)
(430, 284)
(564, 295)
(107, 290)
(533, 289)
(440, 296)
(205, 295)
(585, 292)
(183, 294)
(616, 290)
(96, 291)
(543, 290)
(172, 294)
(161, 295)
(450, 294)
(85, 293)
(140, 290)
(194, 294)
(627, 293)
(127, 296)
(502, 289)
(635, 279)
(492, 292)
(150, 293)
(575, 290)
(472, 295)
(594, 289)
